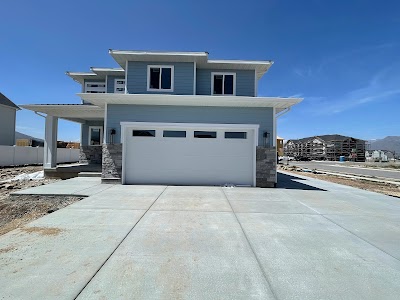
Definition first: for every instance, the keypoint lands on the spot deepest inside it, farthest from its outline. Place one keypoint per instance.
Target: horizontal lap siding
(187, 114)
(183, 78)
(245, 81)
(85, 131)
(111, 83)
(7, 125)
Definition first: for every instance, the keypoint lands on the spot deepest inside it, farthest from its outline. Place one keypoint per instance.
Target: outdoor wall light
(266, 138)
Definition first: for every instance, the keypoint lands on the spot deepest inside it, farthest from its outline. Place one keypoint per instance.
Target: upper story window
(95, 87)
(160, 78)
(223, 83)
(119, 86)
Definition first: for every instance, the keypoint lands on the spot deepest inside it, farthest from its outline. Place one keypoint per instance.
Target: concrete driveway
(306, 239)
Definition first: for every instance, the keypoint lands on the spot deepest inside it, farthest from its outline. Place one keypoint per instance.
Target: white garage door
(189, 154)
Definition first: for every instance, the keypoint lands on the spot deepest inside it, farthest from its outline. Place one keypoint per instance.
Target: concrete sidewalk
(306, 239)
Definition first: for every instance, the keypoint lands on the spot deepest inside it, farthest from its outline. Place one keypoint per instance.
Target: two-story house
(175, 118)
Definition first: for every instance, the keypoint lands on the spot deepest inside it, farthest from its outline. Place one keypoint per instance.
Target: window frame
(96, 82)
(223, 83)
(160, 67)
(115, 86)
(90, 135)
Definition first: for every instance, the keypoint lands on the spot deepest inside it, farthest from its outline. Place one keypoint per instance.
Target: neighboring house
(27, 140)
(174, 118)
(326, 147)
(8, 111)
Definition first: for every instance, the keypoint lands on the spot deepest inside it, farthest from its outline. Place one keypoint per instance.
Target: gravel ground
(383, 188)
(16, 211)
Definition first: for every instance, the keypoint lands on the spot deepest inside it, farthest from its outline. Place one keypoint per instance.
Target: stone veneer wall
(112, 161)
(90, 155)
(266, 167)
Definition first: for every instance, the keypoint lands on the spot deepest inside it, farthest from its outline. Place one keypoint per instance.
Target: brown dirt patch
(16, 211)
(42, 230)
(378, 187)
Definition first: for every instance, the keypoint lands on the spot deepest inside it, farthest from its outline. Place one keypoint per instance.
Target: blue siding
(137, 78)
(111, 83)
(85, 130)
(83, 87)
(245, 81)
(188, 114)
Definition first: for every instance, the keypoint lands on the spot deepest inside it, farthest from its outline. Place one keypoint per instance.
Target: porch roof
(73, 112)
(189, 100)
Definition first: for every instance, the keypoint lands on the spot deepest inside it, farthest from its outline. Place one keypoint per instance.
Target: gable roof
(7, 102)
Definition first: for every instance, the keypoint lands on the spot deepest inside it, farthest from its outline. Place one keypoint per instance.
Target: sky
(341, 57)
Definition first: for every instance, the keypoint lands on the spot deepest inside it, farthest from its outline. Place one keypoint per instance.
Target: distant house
(326, 147)
(7, 121)
(25, 140)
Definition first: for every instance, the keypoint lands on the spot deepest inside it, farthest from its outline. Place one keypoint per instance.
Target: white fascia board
(81, 76)
(108, 71)
(189, 100)
(150, 53)
(151, 125)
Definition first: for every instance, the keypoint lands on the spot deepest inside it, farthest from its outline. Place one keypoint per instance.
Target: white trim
(160, 67)
(105, 125)
(194, 78)
(255, 84)
(106, 84)
(190, 100)
(223, 83)
(126, 77)
(115, 86)
(151, 125)
(90, 134)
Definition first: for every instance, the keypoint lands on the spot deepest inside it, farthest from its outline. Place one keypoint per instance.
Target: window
(205, 134)
(223, 83)
(95, 87)
(160, 78)
(95, 135)
(174, 134)
(146, 133)
(236, 135)
(119, 86)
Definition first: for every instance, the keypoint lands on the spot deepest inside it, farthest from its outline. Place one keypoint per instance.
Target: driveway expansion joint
(364, 240)
(267, 280)
(119, 244)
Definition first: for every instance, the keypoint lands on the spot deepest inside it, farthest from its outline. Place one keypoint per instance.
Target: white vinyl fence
(16, 155)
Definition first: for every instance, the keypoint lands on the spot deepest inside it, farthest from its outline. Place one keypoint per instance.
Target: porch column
(50, 142)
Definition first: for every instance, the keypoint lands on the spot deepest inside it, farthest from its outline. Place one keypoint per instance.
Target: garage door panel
(189, 160)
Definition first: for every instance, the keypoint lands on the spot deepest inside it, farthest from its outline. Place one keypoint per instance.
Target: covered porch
(91, 118)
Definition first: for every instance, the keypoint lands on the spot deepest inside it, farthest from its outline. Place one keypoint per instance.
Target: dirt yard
(383, 188)
(16, 211)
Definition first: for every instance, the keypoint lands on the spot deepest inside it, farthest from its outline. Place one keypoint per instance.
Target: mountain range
(391, 143)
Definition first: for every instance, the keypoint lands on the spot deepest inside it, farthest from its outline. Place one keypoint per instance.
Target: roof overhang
(80, 77)
(260, 67)
(103, 72)
(121, 56)
(72, 112)
(190, 100)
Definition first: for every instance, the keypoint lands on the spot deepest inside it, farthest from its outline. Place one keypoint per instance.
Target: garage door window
(174, 134)
(205, 134)
(145, 133)
(236, 135)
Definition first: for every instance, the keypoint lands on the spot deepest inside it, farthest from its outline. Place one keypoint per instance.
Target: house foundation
(91, 155)
(112, 163)
(266, 176)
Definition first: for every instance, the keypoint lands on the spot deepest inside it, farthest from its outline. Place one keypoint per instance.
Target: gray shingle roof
(7, 102)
